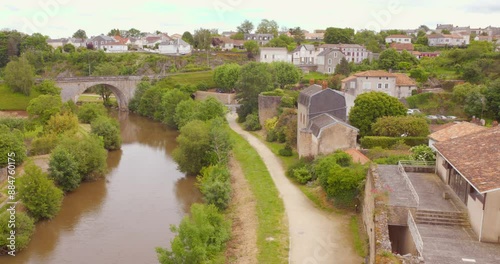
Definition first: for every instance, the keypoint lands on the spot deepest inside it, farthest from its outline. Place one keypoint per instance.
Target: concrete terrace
(441, 244)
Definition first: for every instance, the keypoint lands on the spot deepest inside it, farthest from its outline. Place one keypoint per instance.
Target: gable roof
(357, 156)
(323, 121)
(306, 94)
(402, 46)
(481, 163)
(455, 131)
(374, 73)
(404, 80)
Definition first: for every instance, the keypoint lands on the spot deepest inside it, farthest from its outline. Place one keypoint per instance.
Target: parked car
(451, 117)
(432, 117)
(442, 117)
(413, 111)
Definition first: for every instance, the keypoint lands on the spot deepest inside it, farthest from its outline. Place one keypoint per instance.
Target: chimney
(311, 81)
(494, 124)
(324, 85)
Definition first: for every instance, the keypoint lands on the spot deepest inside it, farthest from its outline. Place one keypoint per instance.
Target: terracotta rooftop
(404, 80)
(458, 130)
(402, 46)
(357, 156)
(377, 73)
(475, 157)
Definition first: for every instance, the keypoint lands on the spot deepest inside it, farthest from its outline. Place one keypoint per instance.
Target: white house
(304, 54)
(115, 47)
(55, 43)
(274, 54)
(398, 39)
(101, 40)
(398, 85)
(441, 40)
(175, 47)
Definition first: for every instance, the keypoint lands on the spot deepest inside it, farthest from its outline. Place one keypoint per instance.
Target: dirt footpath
(316, 237)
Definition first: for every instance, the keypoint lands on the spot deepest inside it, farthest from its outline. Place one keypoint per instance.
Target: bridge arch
(121, 98)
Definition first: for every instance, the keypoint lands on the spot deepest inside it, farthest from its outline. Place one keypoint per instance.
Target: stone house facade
(394, 84)
(328, 59)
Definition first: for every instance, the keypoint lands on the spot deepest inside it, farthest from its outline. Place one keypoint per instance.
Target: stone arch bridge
(123, 87)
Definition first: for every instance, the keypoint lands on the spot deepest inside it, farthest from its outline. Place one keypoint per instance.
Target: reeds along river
(122, 218)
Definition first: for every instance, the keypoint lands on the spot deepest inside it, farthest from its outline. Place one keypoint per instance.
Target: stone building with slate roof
(321, 124)
(470, 165)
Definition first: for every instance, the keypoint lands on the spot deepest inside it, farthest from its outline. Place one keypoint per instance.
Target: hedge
(387, 142)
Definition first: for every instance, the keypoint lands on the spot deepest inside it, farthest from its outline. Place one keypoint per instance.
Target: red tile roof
(476, 157)
(402, 46)
(455, 131)
(404, 80)
(357, 156)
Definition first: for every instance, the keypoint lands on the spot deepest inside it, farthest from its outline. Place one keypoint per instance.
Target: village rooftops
(374, 73)
(455, 131)
(319, 101)
(404, 80)
(342, 46)
(402, 46)
(476, 157)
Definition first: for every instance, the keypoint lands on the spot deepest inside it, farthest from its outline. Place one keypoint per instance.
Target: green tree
(90, 153)
(40, 109)
(109, 130)
(35, 42)
(493, 99)
(285, 73)
(245, 27)
(343, 67)
(48, 87)
(474, 104)
(63, 169)
(298, 35)
(202, 38)
(105, 69)
(215, 185)
(238, 36)
(188, 37)
(422, 153)
(38, 193)
(24, 228)
(169, 102)
(11, 146)
(370, 39)
(80, 34)
(226, 76)
(462, 91)
(445, 31)
(142, 87)
(90, 111)
(192, 152)
(19, 76)
(59, 124)
(185, 112)
(201, 236)
(69, 48)
(267, 27)
(255, 78)
(339, 35)
(114, 32)
(419, 74)
(220, 141)
(368, 107)
(252, 48)
(396, 126)
(389, 59)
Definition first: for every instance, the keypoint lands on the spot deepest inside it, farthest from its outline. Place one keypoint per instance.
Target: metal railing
(417, 239)
(408, 183)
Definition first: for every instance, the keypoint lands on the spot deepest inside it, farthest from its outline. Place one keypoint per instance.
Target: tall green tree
(11, 146)
(285, 73)
(343, 67)
(40, 109)
(255, 78)
(215, 185)
(38, 193)
(245, 27)
(24, 228)
(252, 48)
(368, 107)
(298, 35)
(202, 38)
(493, 99)
(188, 37)
(133, 32)
(268, 27)
(389, 59)
(35, 42)
(193, 147)
(63, 169)
(80, 34)
(335, 35)
(114, 32)
(226, 76)
(20, 76)
(169, 102)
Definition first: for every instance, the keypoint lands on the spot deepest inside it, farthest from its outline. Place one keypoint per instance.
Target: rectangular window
(352, 85)
(379, 85)
(335, 54)
(265, 56)
(386, 86)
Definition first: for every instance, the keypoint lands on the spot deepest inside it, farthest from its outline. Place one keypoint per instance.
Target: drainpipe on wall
(482, 218)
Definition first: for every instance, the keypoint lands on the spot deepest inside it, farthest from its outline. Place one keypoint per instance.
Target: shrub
(201, 236)
(88, 112)
(90, 154)
(271, 136)
(422, 153)
(109, 130)
(11, 146)
(13, 123)
(193, 147)
(41, 108)
(302, 175)
(391, 160)
(38, 193)
(215, 185)
(62, 123)
(396, 126)
(252, 123)
(24, 228)
(286, 151)
(63, 169)
(43, 145)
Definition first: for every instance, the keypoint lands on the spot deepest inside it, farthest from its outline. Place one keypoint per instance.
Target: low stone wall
(420, 169)
(225, 98)
(268, 107)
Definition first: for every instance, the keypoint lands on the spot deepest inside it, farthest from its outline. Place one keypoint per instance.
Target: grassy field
(315, 76)
(270, 208)
(194, 78)
(14, 101)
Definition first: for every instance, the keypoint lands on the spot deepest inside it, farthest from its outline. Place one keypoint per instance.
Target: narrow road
(316, 237)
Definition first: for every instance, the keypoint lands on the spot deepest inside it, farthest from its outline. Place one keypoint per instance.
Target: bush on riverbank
(63, 169)
(11, 145)
(38, 193)
(90, 111)
(24, 228)
(201, 237)
(215, 185)
(109, 130)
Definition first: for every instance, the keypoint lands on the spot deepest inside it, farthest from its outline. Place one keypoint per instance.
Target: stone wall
(268, 107)
(225, 98)
(305, 146)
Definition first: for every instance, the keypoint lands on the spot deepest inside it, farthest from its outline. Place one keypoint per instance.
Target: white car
(432, 117)
(413, 111)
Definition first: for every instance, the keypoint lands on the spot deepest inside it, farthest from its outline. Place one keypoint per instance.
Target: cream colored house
(352, 52)
(470, 165)
(441, 40)
(398, 85)
(304, 54)
(398, 39)
(269, 55)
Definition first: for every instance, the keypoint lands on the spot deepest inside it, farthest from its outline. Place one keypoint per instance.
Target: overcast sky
(61, 18)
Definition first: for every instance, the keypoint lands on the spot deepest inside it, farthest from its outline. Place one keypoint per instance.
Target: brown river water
(122, 218)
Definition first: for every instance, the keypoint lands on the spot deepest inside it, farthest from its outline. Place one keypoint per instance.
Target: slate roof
(455, 131)
(319, 101)
(323, 121)
(305, 95)
(476, 158)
